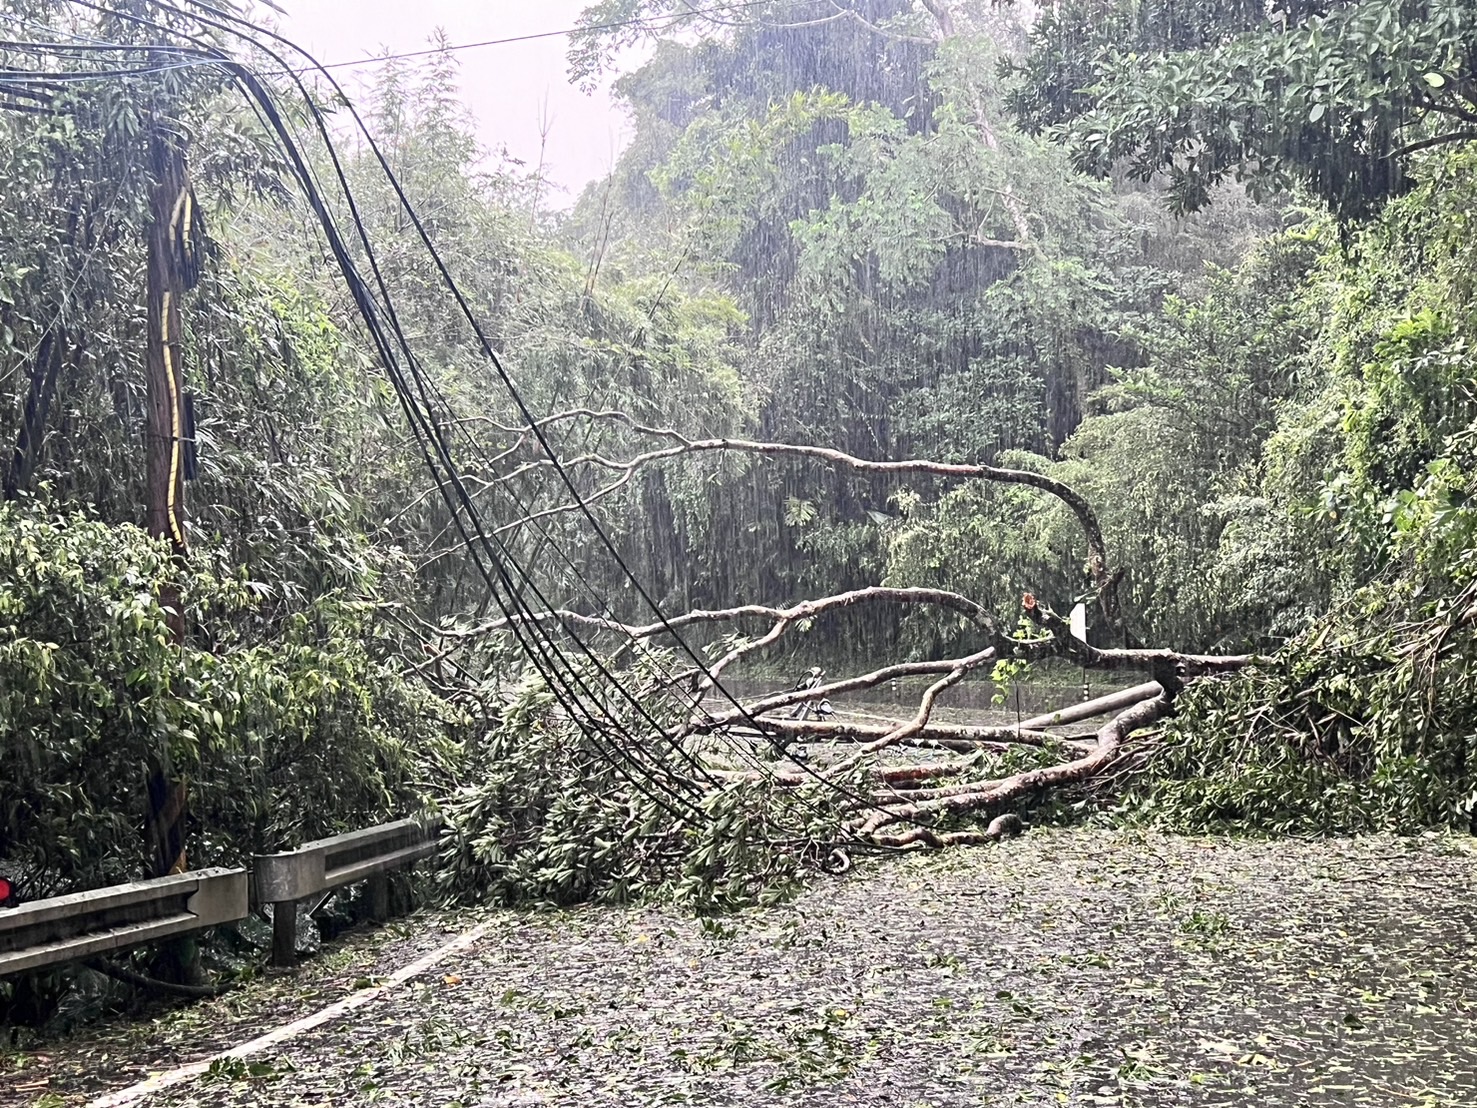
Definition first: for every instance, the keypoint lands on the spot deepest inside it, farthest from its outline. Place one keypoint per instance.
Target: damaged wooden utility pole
(173, 269)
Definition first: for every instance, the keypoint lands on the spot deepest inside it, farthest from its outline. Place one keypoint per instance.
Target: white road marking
(169, 1078)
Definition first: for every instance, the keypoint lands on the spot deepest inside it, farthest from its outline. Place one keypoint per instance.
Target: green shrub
(282, 729)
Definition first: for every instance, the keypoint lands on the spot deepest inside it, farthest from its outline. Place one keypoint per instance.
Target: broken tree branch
(876, 677)
(990, 795)
(805, 609)
(914, 725)
(1104, 580)
(1088, 709)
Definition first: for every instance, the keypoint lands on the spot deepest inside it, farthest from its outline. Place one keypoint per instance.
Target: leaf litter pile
(1073, 968)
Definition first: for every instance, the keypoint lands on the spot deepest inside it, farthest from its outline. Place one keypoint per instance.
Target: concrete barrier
(80, 925)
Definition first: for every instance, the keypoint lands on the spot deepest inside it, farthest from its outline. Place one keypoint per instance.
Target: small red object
(6, 892)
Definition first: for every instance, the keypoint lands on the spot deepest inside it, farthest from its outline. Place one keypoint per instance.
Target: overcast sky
(507, 87)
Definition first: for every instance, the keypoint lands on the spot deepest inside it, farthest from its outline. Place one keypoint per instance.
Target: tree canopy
(1335, 96)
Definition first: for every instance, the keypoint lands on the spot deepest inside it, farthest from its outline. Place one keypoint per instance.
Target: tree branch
(1104, 580)
(994, 794)
(805, 609)
(914, 725)
(864, 681)
(1434, 140)
(1168, 667)
(942, 16)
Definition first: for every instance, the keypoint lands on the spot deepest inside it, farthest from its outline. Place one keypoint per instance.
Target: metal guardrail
(81, 925)
(283, 880)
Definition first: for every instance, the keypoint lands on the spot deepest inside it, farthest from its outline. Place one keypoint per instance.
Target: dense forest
(1169, 307)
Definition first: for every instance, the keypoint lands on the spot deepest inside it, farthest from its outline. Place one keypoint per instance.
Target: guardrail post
(293, 877)
(379, 898)
(284, 933)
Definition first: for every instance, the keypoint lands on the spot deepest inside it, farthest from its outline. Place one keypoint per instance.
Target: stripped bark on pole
(171, 214)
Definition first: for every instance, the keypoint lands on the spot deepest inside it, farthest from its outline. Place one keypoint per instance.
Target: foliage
(1170, 461)
(1334, 94)
(917, 277)
(282, 739)
(1364, 724)
(1363, 720)
(558, 816)
(1290, 465)
(1372, 462)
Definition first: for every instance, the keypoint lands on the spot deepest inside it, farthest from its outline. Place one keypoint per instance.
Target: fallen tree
(852, 767)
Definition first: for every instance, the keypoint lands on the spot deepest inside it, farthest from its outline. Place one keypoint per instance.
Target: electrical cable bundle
(595, 698)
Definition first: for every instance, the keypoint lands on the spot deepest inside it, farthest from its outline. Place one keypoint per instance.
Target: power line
(541, 649)
(580, 701)
(505, 575)
(672, 19)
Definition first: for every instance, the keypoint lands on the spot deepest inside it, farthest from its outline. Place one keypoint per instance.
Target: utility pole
(172, 271)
